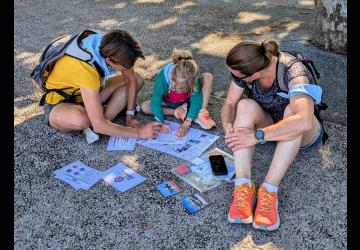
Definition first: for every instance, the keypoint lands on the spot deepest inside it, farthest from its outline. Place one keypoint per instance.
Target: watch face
(259, 134)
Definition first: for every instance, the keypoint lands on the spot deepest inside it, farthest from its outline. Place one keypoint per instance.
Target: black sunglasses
(238, 79)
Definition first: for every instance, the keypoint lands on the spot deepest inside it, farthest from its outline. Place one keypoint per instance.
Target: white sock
(240, 181)
(90, 135)
(270, 188)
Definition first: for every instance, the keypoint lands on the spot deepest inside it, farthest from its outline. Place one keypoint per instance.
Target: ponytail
(185, 68)
(249, 57)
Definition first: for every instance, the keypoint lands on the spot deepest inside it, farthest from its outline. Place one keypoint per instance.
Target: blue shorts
(315, 141)
(312, 144)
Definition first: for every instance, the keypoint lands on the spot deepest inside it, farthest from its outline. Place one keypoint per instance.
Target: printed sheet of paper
(169, 138)
(196, 143)
(122, 178)
(78, 175)
(121, 143)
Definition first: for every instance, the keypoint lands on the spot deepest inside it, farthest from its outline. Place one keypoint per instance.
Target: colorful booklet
(194, 203)
(169, 188)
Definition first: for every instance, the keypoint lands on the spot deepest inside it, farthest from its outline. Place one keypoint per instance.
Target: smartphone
(218, 165)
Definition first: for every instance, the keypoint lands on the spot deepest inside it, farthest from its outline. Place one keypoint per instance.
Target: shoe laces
(241, 195)
(265, 201)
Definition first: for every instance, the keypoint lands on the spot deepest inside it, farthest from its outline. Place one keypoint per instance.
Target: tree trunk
(331, 25)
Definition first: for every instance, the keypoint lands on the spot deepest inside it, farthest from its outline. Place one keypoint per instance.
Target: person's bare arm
(100, 125)
(228, 110)
(130, 79)
(300, 121)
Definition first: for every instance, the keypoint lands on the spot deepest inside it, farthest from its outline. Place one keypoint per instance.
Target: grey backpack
(64, 45)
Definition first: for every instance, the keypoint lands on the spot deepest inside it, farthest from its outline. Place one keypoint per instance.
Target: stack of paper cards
(78, 175)
(194, 203)
(168, 188)
(121, 143)
(122, 178)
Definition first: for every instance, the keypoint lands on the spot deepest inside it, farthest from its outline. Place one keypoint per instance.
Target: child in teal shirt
(181, 91)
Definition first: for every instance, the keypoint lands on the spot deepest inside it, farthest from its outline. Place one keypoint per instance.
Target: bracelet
(130, 112)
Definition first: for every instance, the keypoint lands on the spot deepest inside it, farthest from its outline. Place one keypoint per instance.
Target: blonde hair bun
(179, 55)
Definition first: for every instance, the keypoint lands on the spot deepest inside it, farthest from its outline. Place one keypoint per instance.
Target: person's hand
(183, 129)
(132, 122)
(240, 138)
(150, 130)
(165, 129)
(228, 128)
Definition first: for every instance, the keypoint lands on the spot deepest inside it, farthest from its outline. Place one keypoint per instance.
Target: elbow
(98, 127)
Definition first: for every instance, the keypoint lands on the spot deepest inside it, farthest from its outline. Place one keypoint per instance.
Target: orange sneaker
(242, 204)
(204, 120)
(266, 213)
(180, 112)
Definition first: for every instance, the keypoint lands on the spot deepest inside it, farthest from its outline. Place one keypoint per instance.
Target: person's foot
(90, 135)
(266, 213)
(204, 120)
(242, 204)
(180, 112)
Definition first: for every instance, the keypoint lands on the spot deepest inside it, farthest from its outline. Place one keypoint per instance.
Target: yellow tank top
(71, 73)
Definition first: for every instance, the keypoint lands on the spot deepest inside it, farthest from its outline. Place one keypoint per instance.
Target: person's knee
(246, 106)
(145, 108)
(80, 122)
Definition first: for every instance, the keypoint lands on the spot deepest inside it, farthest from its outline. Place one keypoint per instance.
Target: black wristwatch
(259, 135)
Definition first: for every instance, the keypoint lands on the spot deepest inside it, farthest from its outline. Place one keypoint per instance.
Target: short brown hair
(249, 57)
(185, 67)
(121, 47)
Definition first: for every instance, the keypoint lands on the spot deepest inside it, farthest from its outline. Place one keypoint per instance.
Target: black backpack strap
(282, 64)
(317, 110)
(67, 98)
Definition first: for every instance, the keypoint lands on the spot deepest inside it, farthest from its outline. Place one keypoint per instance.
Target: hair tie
(262, 48)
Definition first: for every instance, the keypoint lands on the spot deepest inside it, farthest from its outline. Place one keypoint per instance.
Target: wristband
(187, 120)
(130, 112)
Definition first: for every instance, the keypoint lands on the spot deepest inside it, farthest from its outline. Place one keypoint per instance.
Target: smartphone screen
(218, 165)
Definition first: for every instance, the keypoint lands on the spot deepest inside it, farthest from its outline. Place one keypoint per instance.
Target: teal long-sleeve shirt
(161, 89)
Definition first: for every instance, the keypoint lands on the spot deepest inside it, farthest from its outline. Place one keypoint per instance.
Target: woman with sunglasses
(287, 119)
